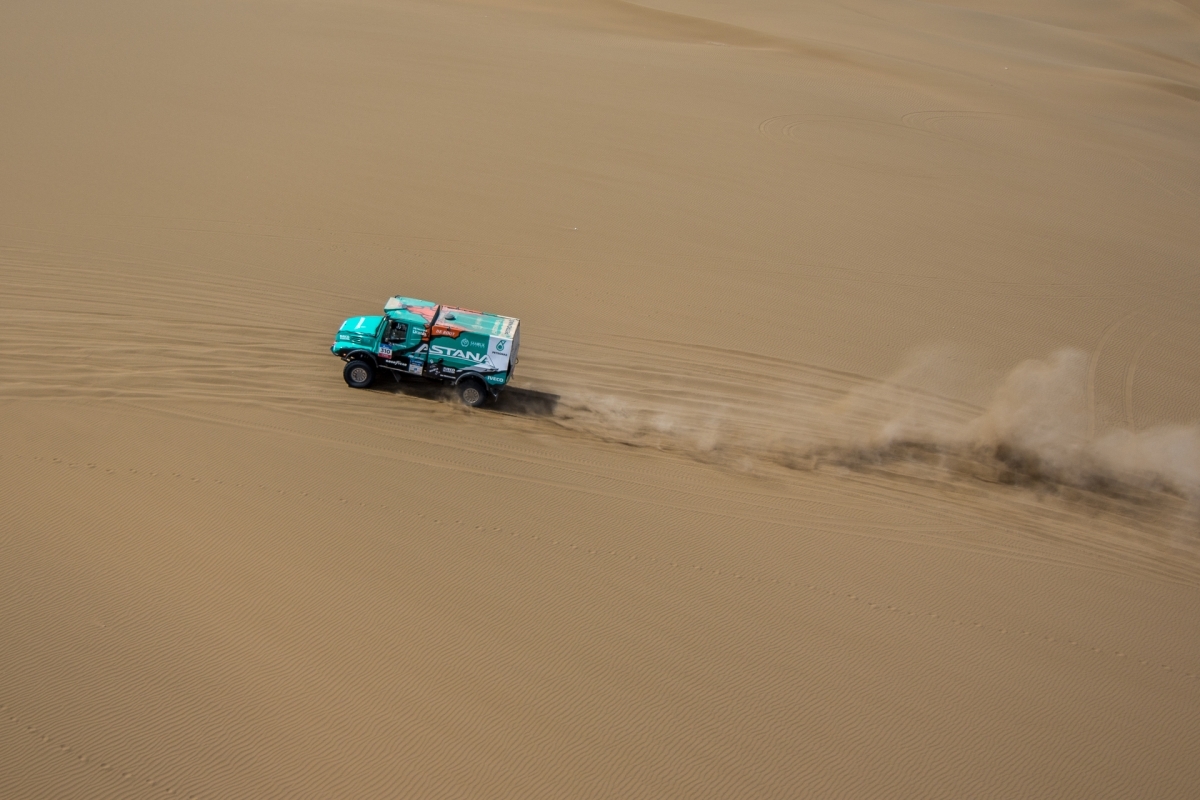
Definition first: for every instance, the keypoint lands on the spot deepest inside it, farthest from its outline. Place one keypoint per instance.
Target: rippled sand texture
(853, 450)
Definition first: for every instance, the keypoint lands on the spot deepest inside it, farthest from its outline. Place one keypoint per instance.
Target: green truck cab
(473, 351)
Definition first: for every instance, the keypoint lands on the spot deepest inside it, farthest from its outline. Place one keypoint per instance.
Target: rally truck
(472, 351)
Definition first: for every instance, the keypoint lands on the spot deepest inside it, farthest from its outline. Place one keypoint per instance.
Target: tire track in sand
(1093, 364)
(1130, 372)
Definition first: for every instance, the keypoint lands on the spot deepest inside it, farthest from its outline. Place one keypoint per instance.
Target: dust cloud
(1034, 431)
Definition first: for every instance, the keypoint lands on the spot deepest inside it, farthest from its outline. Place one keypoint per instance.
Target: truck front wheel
(472, 392)
(359, 374)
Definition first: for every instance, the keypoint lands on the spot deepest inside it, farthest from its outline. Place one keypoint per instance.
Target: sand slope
(853, 450)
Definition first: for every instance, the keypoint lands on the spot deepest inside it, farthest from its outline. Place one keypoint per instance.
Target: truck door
(394, 337)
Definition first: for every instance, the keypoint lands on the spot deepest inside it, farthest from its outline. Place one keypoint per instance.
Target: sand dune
(854, 449)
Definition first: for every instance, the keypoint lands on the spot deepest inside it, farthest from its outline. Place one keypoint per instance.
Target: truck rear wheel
(472, 392)
(359, 374)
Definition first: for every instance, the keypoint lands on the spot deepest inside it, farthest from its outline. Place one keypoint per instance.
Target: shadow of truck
(512, 400)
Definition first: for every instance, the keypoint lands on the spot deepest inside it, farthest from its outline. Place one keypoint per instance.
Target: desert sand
(853, 451)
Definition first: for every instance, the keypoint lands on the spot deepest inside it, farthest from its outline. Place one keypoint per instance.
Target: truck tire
(359, 374)
(472, 392)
